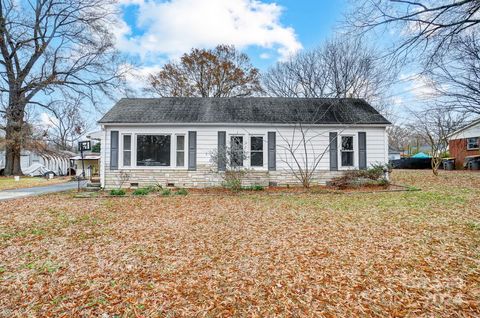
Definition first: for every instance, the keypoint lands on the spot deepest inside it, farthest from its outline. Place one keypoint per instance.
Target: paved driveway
(27, 192)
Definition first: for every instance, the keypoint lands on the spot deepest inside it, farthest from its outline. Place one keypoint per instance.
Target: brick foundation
(205, 177)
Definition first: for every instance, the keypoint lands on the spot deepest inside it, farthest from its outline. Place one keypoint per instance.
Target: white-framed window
(473, 143)
(256, 151)
(346, 151)
(127, 150)
(180, 150)
(236, 151)
(153, 150)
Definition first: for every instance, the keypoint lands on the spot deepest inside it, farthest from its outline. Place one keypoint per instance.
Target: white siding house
(48, 160)
(134, 128)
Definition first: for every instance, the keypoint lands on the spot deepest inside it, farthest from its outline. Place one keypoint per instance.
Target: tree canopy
(219, 72)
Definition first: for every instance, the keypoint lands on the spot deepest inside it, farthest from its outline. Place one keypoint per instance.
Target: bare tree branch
(47, 46)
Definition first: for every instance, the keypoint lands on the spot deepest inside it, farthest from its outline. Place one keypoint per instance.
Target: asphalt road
(28, 192)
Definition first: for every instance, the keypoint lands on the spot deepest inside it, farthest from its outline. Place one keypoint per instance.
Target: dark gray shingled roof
(270, 110)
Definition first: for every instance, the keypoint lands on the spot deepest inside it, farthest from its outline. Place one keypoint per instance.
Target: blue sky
(271, 29)
(151, 32)
(313, 21)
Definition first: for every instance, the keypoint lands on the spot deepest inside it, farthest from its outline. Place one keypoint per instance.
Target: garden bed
(219, 191)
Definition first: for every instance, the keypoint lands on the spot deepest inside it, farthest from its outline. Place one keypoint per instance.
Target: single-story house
(170, 141)
(36, 161)
(91, 159)
(91, 163)
(465, 143)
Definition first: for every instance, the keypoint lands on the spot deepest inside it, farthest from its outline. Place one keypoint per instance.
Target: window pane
(180, 142)
(347, 143)
(127, 146)
(472, 143)
(256, 143)
(256, 159)
(127, 158)
(180, 158)
(256, 151)
(347, 159)
(236, 145)
(127, 142)
(153, 150)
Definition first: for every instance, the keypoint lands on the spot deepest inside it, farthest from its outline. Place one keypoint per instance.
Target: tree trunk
(14, 138)
(435, 164)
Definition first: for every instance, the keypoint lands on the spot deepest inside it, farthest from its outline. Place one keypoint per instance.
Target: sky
(153, 32)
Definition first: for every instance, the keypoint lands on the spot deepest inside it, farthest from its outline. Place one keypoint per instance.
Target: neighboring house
(171, 140)
(465, 143)
(91, 163)
(51, 160)
(91, 160)
(393, 153)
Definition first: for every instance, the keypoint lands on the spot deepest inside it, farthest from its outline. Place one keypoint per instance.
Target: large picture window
(153, 150)
(127, 150)
(473, 143)
(236, 149)
(256, 151)
(347, 151)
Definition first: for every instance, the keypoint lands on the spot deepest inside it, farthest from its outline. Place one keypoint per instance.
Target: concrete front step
(93, 187)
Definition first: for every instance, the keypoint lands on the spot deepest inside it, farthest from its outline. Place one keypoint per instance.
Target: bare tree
(399, 136)
(301, 152)
(304, 75)
(431, 26)
(122, 178)
(340, 68)
(231, 158)
(300, 155)
(67, 125)
(435, 126)
(219, 72)
(47, 45)
(456, 75)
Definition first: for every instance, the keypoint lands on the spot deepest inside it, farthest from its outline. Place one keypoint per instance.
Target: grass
(141, 191)
(7, 183)
(414, 253)
(181, 191)
(117, 192)
(166, 192)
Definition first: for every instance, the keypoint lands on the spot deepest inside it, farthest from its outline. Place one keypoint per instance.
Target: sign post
(83, 146)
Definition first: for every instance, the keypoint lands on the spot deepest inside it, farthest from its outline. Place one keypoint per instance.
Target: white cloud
(423, 88)
(47, 121)
(136, 76)
(265, 56)
(172, 28)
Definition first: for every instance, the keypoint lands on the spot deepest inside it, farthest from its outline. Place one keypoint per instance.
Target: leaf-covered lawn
(7, 183)
(308, 255)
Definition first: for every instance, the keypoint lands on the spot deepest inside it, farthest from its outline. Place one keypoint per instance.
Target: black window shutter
(333, 151)
(362, 150)
(222, 151)
(272, 146)
(192, 150)
(113, 150)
